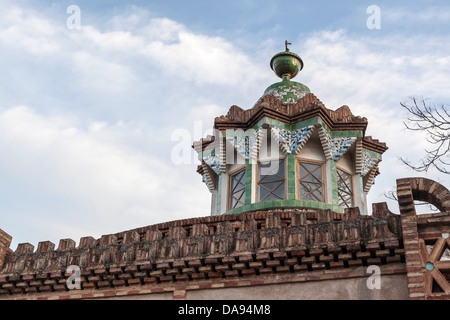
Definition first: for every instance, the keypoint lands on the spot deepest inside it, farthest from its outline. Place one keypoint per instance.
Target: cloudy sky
(88, 115)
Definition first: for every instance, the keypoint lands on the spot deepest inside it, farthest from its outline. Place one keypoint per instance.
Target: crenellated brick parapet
(227, 246)
(5, 242)
(270, 247)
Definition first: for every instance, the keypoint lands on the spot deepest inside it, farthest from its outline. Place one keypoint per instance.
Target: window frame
(258, 179)
(322, 171)
(353, 185)
(230, 186)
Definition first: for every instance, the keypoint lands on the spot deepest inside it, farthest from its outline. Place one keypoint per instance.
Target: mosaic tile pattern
(252, 141)
(213, 162)
(338, 145)
(209, 151)
(287, 94)
(286, 91)
(205, 180)
(370, 178)
(241, 145)
(244, 144)
(291, 141)
(368, 161)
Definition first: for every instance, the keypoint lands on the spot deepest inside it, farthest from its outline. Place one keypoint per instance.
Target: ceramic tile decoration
(303, 220)
(241, 145)
(340, 145)
(205, 180)
(368, 161)
(213, 162)
(252, 141)
(244, 144)
(290, 114)
(286, 66)
(288, 93)
(370, 178)
(291, 141)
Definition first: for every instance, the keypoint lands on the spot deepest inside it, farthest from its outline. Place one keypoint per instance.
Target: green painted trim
(259, 124)
(248, 182)
(306, 123)
(272, 122)
(305, 204)
(324, 125)
(219, 195)
(334, 186)
(239, 132)
(290, 176)
(346, 134)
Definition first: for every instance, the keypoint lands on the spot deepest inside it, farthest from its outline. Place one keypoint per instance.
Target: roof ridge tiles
(305, 108)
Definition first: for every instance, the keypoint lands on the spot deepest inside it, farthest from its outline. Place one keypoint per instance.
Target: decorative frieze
(292, 141)
(368, 161)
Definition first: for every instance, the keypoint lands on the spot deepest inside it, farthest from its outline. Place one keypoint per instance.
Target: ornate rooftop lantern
(288, 151)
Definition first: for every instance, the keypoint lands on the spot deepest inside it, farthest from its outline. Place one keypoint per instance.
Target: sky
(89, 107)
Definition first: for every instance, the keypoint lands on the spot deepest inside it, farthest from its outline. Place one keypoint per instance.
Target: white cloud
(97, 74)
(29, 32)
(372, 77)
(83, 149)
(120, 186)
(179, 52)
(69, 156)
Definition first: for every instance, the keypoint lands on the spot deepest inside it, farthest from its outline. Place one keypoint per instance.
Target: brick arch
(427, 190)
(420, 276)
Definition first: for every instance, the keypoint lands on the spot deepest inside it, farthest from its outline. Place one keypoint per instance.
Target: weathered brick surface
(209, 252)
(191, 250)
(416, 229)
(5, 242)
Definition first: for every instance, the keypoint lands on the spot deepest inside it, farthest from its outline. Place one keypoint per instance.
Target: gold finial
(286, 44)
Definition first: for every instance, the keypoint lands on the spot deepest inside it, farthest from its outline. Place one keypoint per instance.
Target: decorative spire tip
(286, 43)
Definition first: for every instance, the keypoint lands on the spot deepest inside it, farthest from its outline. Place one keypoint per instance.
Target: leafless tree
(435, 122)
(392, 195)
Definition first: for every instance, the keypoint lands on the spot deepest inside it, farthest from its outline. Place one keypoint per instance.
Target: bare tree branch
(435, 123)
(392, 195)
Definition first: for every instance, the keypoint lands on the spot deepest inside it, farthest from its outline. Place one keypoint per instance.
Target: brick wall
(269, 248)
(418, 231)
(5, 242)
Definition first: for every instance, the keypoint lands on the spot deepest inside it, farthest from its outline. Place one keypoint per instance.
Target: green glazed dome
(287, 65)
(287, 91)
